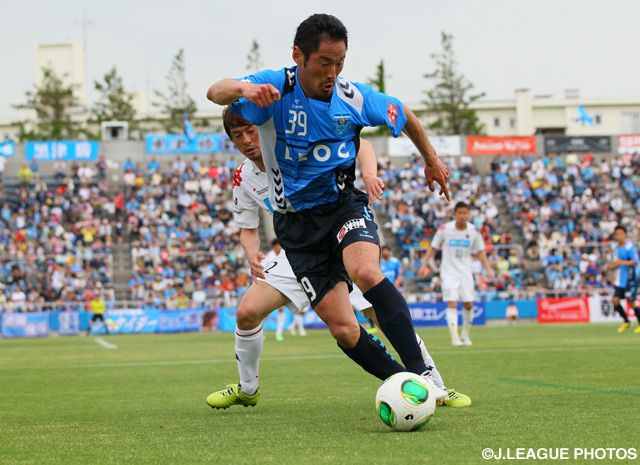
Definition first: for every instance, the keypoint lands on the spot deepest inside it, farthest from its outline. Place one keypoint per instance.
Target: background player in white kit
(458, 239)
(276, 284)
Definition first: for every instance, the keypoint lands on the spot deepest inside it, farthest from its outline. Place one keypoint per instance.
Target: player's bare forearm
(369, 167)
(225, 92)
(250, 242)
(482, 255)
(229, 90)
(431, 252)
(415, 132)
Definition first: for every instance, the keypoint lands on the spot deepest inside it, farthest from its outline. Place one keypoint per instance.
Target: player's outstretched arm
(434, 169)
(228, 91)
(250, 242)
(369, 166)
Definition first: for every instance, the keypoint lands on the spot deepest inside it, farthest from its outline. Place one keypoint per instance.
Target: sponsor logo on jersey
(237, 179)
(262, 191)
(341, 121)
(348, 226)
(392, 113)
(459, 243)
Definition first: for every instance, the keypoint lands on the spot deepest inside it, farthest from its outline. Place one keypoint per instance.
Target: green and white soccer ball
(405, 402)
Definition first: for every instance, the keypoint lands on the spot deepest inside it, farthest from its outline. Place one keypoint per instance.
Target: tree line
(54, 101)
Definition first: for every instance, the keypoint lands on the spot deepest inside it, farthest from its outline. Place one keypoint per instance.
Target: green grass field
(71, 400)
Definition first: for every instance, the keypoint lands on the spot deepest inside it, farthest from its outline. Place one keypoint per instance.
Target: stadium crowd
(57, 233)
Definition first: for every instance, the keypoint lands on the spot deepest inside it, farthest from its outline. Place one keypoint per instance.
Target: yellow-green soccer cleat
(623, 327)
(637, 330)
(232, 396)
(457, 399)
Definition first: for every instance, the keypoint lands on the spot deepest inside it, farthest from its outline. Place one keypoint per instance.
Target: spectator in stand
(34, 166)
(85, 174)
(129, 165)
(153, 166)
(25, 175)
(101, 167)
(3, 163)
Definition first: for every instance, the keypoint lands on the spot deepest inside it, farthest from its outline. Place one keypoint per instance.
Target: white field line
(309, 357)
(105, 344)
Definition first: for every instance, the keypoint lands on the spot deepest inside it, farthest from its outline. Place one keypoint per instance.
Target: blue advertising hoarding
(25, 324)
(168, 144)
(69, 150)
(498, 308)
(227, 145)
(435, 313)
(68, 323)
(227, 320)
(130, 321)
(7, 148)
(177, 321)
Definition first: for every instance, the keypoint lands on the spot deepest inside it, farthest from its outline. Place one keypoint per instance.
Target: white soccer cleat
(442, 396)
(466, 341)
(456, 342)
(292, 329)
(302, 331)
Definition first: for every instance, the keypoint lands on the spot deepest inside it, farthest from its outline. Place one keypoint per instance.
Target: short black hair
(230, 121)
(317, 28)
(386, 247)
(275, 242)
(620, 227)
(460, 205)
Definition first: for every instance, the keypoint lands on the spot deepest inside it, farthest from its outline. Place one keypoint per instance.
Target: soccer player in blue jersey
(309, 119)
(391, 267)
(625, 285)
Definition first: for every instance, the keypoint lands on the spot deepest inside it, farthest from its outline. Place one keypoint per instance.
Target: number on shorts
(273, 265)
(308, 288)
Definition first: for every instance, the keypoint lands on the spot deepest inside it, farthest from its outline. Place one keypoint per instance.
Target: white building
(67, 60)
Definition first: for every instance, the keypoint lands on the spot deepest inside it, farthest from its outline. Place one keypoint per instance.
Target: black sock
(637, 312)
(618, 308)
(373, 357)
(395, 322)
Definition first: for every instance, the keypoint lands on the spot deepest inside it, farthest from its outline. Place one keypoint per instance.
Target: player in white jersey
(458, 240)
(276, 284)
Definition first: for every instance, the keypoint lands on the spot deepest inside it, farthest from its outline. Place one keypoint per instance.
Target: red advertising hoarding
(629, 143)
(565, 310)
(485, 145)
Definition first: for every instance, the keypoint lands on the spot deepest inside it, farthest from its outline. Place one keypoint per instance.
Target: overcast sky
(501, 45)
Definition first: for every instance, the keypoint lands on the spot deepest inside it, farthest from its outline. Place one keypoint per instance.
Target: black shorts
(96, 317)
(314, 240)
(630, 292)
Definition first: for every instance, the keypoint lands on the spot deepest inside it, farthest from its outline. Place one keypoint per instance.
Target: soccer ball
(405, 402)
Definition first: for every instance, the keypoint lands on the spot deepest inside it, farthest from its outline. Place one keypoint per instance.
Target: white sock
(467, 319)
(299, 323)
(452, 322)
(431, 365)
(281, 318)
(248, 349)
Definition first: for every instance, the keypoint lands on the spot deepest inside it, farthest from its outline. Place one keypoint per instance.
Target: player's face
(386, 253)
(461, 215)
(247, 140)
(620, 236)
(319, 72)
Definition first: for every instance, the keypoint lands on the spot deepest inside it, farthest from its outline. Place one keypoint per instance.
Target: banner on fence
(629, 143)
(486, 145)
(169, 144)
(227, 145)
(498, 308)
(130, 321)
(564, 310)
(563, 144)
(25, 324)
(68, 323)
(403, 147)
(178, 321)
(435, 313)
(69, 150)
(7, 148)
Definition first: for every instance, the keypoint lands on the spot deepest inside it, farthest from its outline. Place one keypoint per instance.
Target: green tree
(254, 64)
(52, 101)
(378, 83)
(176, 100)
(449, 100)
(114, 104)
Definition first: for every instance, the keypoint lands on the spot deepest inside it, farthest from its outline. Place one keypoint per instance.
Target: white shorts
(458, 290)
(279, 275)
(511, 312)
